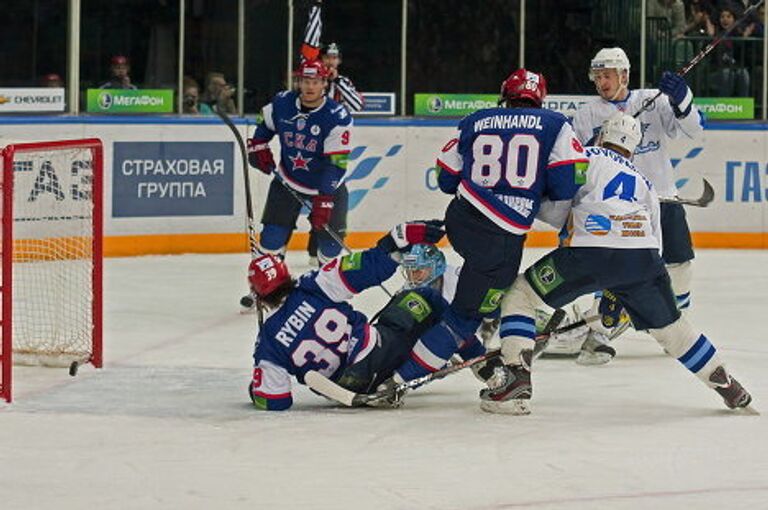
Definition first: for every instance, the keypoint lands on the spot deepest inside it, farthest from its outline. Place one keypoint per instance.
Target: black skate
(513, 394)
(733, 393)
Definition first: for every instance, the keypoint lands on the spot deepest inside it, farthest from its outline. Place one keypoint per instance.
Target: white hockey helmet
(621, 130)
(609, 58)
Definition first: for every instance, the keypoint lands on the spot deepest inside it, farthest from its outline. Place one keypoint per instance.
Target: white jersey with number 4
(658, 123)
(616, 208)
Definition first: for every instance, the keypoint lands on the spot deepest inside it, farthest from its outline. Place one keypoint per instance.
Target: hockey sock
(680, 274)
(692, 349)
(436, 346)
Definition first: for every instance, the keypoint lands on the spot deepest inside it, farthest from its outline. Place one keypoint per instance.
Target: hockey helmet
(266, 273)
(332, 50)
(524, 84)
(621, 130)
(312, 69)
(422, 264)
(609, 58)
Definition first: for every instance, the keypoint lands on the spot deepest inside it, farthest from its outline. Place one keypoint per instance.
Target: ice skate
(513, 394)
(595, 350)
(733, 393)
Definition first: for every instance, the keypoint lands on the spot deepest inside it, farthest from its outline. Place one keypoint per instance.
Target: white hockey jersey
(616, 208)
(658, 123)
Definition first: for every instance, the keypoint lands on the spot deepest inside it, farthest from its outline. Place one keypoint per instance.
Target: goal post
(51, 289)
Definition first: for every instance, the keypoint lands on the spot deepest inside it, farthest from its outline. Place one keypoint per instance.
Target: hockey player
(671, 116)
(311, 326)
(340, 88)
(614, 237)
(500, 165)
(315, 138)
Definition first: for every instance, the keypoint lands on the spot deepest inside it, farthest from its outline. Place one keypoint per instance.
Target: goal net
(51, 255)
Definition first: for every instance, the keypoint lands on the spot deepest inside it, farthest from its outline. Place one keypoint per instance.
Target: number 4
(623, 186)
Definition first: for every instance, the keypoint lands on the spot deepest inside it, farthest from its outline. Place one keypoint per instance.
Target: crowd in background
(452, 45)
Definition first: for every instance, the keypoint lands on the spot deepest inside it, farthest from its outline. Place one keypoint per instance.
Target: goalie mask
(525, 85)
(266, 274)
(621, 130)
(422, 265)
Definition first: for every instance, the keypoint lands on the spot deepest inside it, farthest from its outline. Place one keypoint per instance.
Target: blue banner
(378, 103)
(172, 179)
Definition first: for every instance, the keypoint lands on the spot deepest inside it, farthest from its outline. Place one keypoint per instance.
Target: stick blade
(329, 389)
(708, 195)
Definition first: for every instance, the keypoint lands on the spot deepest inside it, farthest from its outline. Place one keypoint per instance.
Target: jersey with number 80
(505, 161)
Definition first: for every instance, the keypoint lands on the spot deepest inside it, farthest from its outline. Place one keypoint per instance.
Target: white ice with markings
(167, 423)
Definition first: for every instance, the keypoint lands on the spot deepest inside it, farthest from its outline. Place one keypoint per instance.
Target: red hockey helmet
(266, 273)
(312, 69)
(524, 84)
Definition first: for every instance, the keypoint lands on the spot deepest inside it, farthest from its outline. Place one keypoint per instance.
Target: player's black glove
(412, 232)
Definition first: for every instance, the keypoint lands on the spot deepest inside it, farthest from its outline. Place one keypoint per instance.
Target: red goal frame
(6, 289)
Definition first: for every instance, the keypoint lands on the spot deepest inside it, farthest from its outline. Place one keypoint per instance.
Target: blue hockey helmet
(422, 265)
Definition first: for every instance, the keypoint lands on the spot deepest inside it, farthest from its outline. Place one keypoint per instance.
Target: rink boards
(176, 185)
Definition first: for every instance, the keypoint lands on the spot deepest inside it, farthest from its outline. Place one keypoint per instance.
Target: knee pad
(273, 239)
(681, 274)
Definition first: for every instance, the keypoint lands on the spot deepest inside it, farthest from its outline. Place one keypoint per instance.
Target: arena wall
(176, 185)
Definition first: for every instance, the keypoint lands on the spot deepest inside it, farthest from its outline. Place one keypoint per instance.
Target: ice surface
(168, 424)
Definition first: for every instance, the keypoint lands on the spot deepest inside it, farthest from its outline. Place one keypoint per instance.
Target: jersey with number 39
(316, 328)
(505, 161)
(616, 208)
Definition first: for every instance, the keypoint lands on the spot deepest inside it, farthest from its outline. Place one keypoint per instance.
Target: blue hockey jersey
(314, 144)
(315, 328)
(505, 161)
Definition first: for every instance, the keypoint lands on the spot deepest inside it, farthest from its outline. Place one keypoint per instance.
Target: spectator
(191, 96)
(673, 11)
(217, 93)
(52, 80)
(701, 14)
(730, 78)
(756, 27)
(120, 79)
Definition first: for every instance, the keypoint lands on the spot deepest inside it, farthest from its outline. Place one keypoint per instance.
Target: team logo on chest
(315, 130)
(300, 124)
(299, 162)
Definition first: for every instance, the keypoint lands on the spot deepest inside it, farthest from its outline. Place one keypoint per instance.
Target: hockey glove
(412, 232)
(260, 155)
(322, 206)
(674, 86)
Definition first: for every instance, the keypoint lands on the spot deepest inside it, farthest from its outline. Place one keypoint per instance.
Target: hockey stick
(321, 384)
(252, 243)
(700, 56)
(327, 229)
(707, 196)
